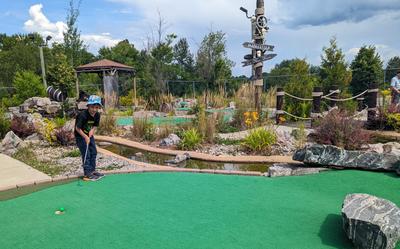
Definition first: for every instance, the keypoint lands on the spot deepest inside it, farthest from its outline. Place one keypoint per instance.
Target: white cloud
(97, 41)
(39, 23)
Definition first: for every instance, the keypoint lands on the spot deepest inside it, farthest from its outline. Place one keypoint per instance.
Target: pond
(159, 159)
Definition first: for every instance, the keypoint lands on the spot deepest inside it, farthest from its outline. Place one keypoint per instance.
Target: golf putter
(84, 161)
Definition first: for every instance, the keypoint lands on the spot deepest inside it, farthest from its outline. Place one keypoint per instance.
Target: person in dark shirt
(85, 126)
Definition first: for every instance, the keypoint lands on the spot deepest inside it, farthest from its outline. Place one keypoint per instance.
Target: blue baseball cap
(94, 100)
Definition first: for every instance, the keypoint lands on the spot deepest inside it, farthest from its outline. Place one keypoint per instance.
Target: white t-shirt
(395, 82)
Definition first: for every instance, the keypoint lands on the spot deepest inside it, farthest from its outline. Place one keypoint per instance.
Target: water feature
(159, 159)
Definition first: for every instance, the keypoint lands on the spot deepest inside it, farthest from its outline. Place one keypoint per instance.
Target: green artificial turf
(182, 210)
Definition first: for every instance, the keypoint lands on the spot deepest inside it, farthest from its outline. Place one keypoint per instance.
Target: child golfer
(85, 126)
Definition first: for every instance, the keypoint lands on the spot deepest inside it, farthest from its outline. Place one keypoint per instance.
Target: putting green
(182, 210)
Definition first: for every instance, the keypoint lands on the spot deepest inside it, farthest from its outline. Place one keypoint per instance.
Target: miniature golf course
(183, 210)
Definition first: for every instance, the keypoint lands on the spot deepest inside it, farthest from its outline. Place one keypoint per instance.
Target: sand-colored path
(197, 155)
(14, 173)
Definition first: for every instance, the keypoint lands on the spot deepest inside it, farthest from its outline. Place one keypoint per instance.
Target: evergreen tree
(392, 68)
(334, 69)
(367, 69)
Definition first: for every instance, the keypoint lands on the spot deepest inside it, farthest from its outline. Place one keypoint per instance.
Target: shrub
(60, 122)
(338, 128)
(239, 119)
(48, 131)
(4, 124)
(64, 137)
(191, 139)
(164, 131)
(28, 84)
(260, 140)
(73, 153)
(107, 124)
(143, 129)
(224, 126)
(21, 127)
(300, 136)
(127, 100)
(393, 120)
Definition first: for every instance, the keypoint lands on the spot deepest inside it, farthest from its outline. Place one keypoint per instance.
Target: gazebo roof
(103, 65)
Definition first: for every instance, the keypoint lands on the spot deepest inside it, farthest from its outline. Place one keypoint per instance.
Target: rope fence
(370, 95)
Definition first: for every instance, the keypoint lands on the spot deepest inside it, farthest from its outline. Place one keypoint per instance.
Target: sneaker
(91, 177)
(98, 174)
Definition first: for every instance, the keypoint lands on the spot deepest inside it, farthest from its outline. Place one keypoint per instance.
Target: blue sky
(297, 28)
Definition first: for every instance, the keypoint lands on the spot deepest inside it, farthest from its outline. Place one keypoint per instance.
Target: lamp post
(48, 38)
(259, 29)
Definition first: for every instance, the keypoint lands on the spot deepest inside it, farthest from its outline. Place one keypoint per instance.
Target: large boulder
(328, 155)
(172, 139)
(11, 143)
(371, 222)
(286, 169)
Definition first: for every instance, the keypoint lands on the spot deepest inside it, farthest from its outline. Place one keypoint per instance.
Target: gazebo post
(134, 91)
(77, 84)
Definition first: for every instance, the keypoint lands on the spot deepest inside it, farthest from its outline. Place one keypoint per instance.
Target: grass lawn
(182, 210)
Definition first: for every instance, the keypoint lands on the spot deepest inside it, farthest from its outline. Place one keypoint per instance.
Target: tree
(334, 69)
(61, 75)
(392, 68)
(75, 50)
(184, 59)
(300, 84)
(19, 52)
(280, 74)
(123, 52)
(367, 69)
(161, 62)
(27, 84)
(212, 63)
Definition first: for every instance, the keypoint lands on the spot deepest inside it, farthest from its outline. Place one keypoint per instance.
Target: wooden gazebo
(109, 71)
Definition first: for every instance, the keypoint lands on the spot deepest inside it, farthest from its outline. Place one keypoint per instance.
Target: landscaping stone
(179, 158)
(172, 139)
(11, 143)
(287, 169)
(33, 138)
(371, 222)
(328, 155)
(103, 143)
(139, 154)
(53, 108)
(42, 102)
(69, 125)
(166, 107)
(14, 110)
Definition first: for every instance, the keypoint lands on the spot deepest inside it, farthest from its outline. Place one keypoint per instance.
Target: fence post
(316, 103)
(335, 95)
(280, 94)
(372, 102)
(360, 102)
